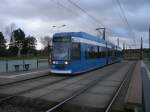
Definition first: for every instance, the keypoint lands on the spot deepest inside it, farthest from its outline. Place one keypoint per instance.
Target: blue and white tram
(78, 52)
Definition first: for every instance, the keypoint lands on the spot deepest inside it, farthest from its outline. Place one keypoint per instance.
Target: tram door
(113, 55)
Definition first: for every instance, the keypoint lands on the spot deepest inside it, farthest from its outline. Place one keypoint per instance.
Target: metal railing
(8, 65)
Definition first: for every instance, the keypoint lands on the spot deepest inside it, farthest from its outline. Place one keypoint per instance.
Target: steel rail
(24, 80)
(31, 89)
(108, 108)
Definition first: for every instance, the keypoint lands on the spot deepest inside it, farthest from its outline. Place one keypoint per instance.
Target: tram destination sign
(61, 39)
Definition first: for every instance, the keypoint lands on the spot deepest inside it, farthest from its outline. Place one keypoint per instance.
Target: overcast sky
(36, 17)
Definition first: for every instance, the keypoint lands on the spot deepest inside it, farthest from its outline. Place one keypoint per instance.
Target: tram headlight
(66, 62)
(54, 62)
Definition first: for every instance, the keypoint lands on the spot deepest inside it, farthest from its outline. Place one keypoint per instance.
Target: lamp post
(149, 38)
(98, 29)
(141, 50)
(118, 42)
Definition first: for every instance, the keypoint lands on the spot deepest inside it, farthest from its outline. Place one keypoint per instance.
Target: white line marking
(13, 76)
(147, 70)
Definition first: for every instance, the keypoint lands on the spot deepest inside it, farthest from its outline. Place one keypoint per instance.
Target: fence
(8, 65)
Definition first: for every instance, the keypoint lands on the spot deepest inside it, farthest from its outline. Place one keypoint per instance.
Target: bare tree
(9, 32)
(46, 41)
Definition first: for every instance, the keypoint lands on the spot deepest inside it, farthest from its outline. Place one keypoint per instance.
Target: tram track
(82, 90)
(7, 97)
(86, 77)
(77, 93)
(125, 82)
(37, 79)
(20, 81)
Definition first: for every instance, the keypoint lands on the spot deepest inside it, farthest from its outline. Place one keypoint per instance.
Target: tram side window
(109, 52)
(91, 52)
(94, 52)
(88, 52)
(99, 52)
(76, 51)
(102, 52)
(117, 53)
(113, 53)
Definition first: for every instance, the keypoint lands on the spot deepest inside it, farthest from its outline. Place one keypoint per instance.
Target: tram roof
(85, 36)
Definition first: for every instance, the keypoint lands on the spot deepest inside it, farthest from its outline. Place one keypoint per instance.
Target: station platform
(22, 75)
(134, 95)
(146, 87)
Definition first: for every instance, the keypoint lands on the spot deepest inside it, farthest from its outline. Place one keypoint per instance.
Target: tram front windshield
(61, 49)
